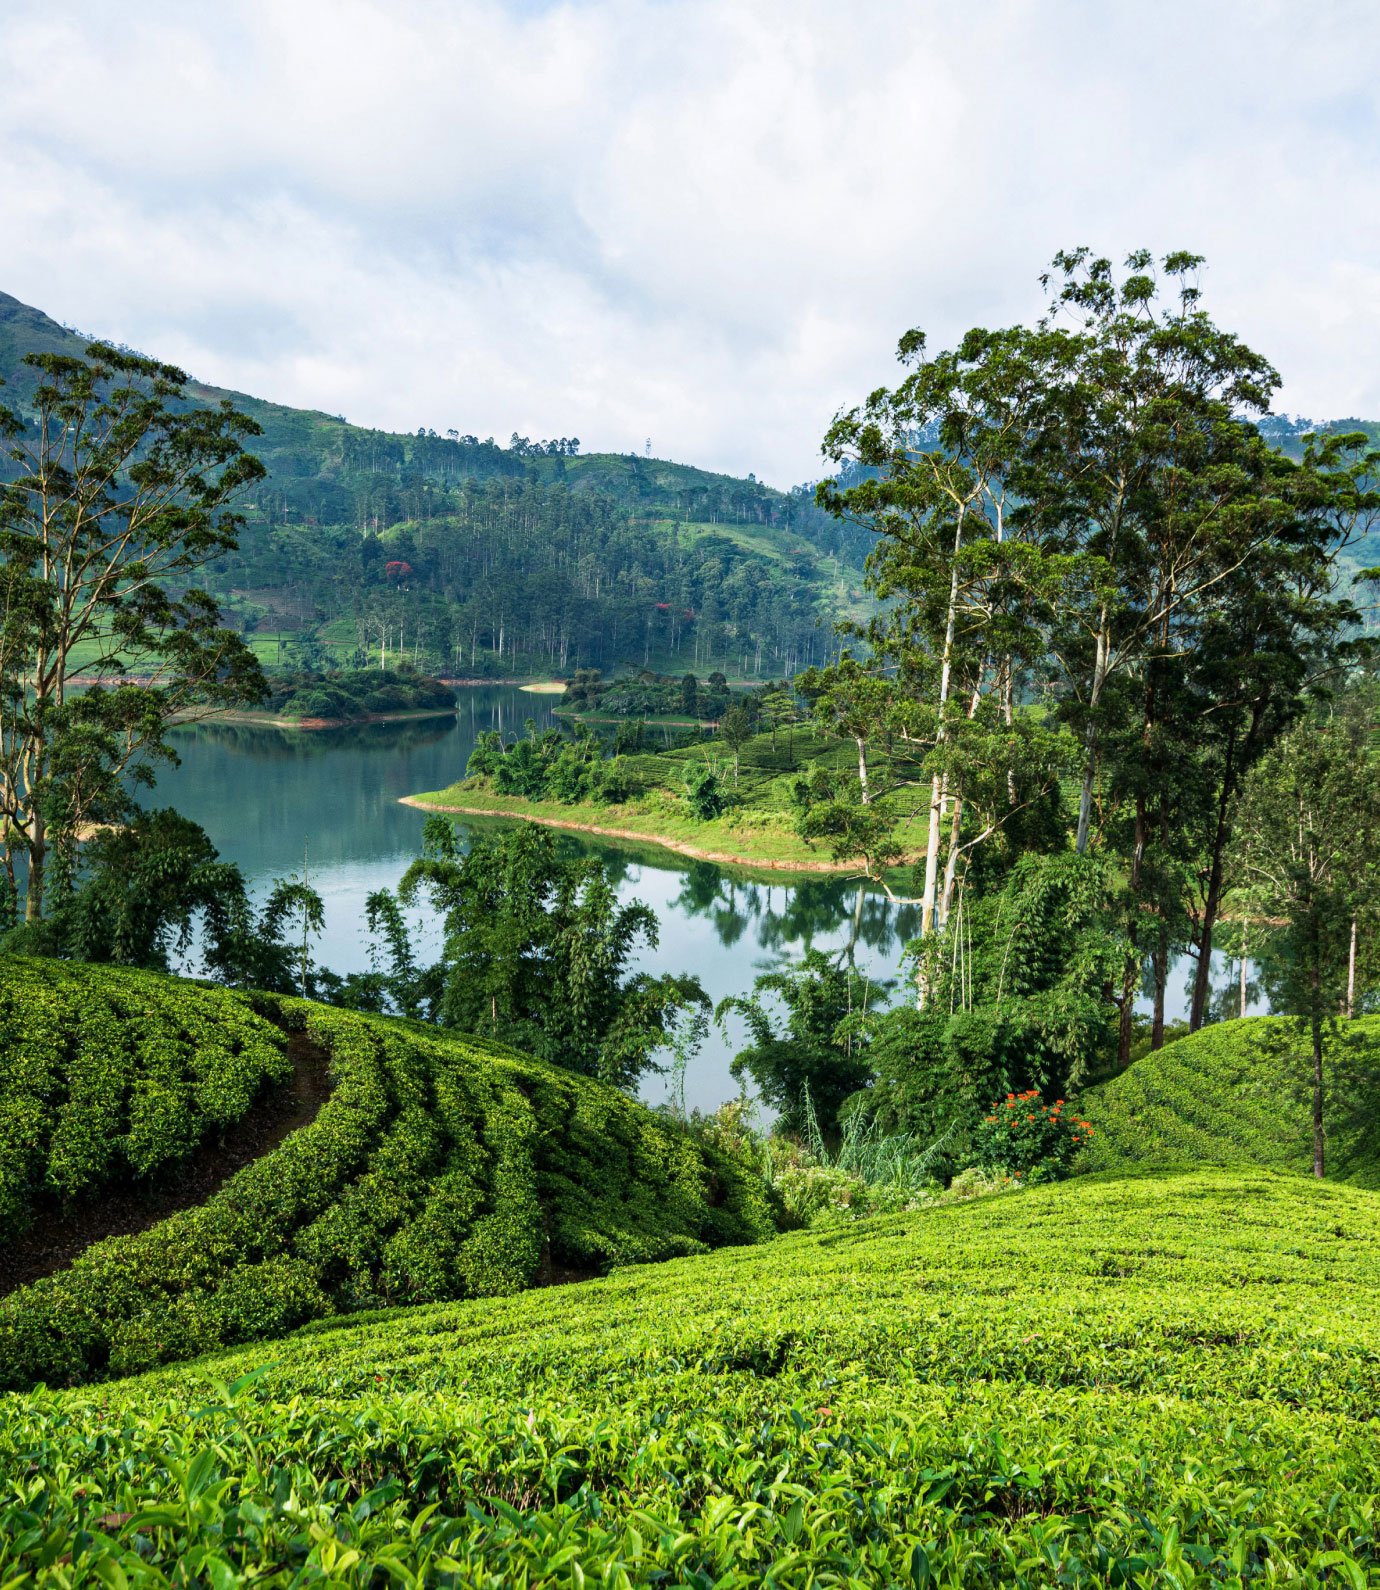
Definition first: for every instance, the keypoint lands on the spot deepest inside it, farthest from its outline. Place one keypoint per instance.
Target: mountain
(497, 560)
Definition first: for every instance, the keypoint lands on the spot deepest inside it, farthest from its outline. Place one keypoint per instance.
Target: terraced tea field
(1145, 1381)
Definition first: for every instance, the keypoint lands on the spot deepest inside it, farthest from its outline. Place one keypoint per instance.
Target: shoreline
(663, 841)
(267, 720)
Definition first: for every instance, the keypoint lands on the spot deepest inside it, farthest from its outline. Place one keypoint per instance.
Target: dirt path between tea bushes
(59, 1234)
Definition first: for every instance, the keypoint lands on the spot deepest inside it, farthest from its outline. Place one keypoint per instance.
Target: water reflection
(269, 796)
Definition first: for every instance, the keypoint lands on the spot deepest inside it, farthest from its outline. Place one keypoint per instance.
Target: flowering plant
(1026, 1137)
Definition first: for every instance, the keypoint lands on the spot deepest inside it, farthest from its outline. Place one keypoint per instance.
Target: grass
(1239, 1094)
(1166, 1381)
(759, 830)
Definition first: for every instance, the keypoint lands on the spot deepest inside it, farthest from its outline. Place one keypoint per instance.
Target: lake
(271, 797)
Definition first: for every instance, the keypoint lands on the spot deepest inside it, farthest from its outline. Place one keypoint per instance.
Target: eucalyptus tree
(1280, 627)
(117, 492)
(950, 471)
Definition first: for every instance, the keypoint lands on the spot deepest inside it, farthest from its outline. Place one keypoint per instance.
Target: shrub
(111, 1076)
(438, 1168)
(1026, 1137)
(1237, 1093)
(704, 790)
(1100, 1383)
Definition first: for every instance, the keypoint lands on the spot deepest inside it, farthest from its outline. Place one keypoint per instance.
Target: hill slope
(438, 1167)
(1097, 1383)
(1237, 1094)
(517, 559)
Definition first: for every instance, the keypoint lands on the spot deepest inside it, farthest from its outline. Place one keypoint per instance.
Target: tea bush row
(1141, 1382)
(108, 1076)
(438, 1168)
(1238, 1094)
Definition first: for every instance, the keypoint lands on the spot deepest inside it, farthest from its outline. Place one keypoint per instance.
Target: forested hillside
(475, 557)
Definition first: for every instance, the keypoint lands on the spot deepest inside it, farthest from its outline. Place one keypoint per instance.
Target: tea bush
(1144, 1382)
(438, 1168)
(108, 1076)
(1238, 1094)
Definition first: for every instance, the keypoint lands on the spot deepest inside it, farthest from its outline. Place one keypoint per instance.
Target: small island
(310, 700)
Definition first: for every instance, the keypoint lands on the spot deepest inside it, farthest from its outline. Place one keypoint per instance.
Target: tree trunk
(1100, 666)
(1212, 902)
(862, 767)
(38, 865)
(939, 783)
(1315, 1022)
(1159, 963)
(946, 899)
(1243, 968)
(1351, 972)
(1129, 978)
(1318, 1142)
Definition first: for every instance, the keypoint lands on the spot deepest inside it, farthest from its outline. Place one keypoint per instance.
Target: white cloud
(706, 221)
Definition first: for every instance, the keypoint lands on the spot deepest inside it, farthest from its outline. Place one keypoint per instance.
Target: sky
(699, 223)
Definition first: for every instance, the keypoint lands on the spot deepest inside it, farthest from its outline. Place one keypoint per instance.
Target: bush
(438, 1168)
(1026, 1137)
(1099, 1383)
(704, 790)
(110, 1077)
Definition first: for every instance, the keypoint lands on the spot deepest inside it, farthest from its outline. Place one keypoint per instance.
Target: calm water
(266, 796)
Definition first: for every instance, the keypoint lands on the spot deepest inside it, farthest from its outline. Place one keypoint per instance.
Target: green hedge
(1136, 1382)
(438, 1168)
(1239, 1093)
(109, 1077)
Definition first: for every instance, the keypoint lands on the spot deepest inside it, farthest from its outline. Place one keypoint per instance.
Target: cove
(267, 797)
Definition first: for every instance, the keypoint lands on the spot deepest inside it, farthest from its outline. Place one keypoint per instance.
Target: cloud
(703, 221)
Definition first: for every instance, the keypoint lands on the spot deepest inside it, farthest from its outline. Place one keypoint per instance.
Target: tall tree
(1309, 804)
(118, 492)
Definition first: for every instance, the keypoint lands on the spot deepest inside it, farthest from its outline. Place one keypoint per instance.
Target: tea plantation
(110, 1077)
(1148, 1376)
(437, 1168)
(1237, 1094)
(1169, 1381)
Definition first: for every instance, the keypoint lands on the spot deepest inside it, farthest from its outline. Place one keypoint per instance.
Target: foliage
(650, 695)
(1238, 1093)
(438, 1168)
(1026, 1137)
(145, 885)
(109, 1078)
(1080, 516)
(536, 953)
(817, 1059)
(350, 694)
(548, 766)
(704, 789)
(1095, 1383)
(1307, 804)
(117, 494)
(1020, 980)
